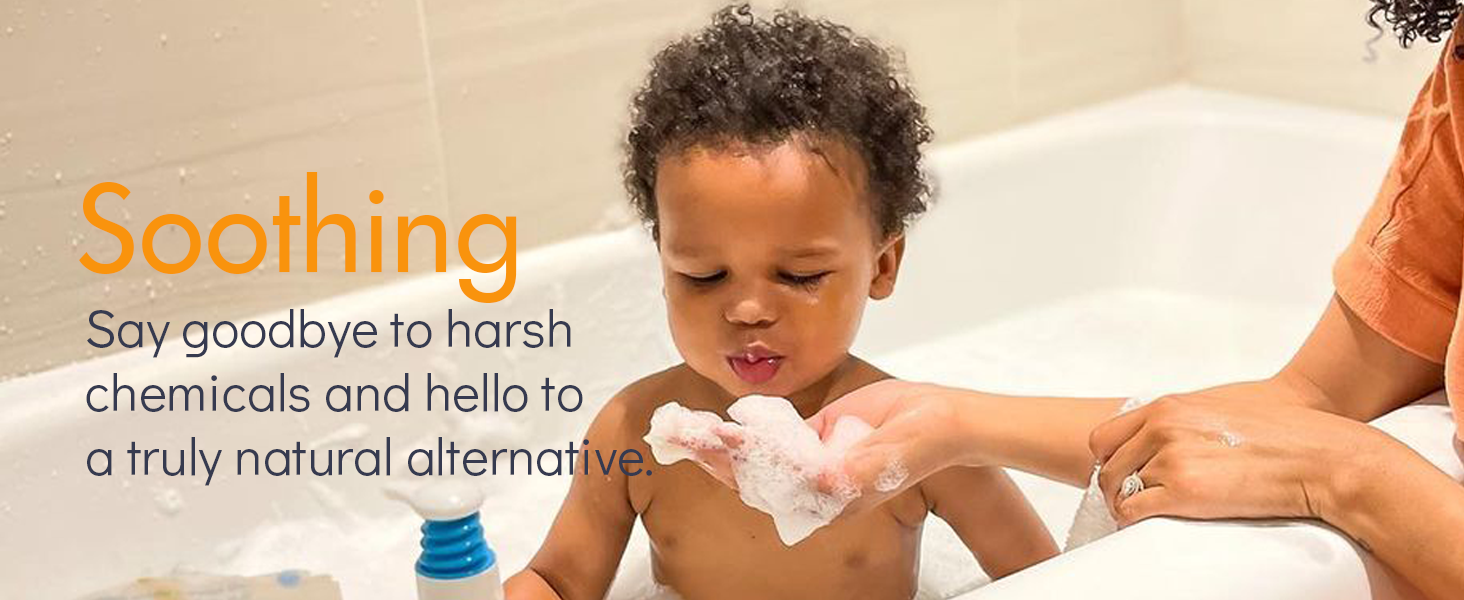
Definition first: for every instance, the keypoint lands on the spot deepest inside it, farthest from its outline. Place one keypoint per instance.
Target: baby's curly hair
(747, 79)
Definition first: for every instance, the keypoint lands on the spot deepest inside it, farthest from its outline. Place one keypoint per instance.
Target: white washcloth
(1093, 520)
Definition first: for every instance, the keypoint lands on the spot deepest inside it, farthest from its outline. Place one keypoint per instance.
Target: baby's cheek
(829, 328)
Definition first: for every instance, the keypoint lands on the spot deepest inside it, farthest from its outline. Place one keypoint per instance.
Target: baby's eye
(707, 279)
(801, 280)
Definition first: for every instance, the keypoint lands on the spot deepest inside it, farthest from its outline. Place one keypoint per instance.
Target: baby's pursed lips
(755, 352)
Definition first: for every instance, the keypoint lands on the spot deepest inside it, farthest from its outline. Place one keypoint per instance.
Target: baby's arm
(578, 558)
(992, 517)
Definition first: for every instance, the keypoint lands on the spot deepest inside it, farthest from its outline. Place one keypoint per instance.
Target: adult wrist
(961, 414)
(1345, 485)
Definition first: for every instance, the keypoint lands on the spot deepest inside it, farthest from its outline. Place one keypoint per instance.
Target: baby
(777, 163)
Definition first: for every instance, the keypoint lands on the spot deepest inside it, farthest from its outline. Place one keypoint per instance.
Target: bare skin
(1306, 451)
(769, 256)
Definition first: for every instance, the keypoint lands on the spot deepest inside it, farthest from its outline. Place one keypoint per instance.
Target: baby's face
(768, 256)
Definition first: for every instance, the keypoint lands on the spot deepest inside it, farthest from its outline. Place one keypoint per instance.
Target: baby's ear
(887, 267)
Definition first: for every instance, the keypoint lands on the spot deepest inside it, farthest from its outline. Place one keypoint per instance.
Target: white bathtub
(1084, 254)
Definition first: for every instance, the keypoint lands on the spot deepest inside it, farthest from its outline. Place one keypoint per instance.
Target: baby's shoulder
(630, 409)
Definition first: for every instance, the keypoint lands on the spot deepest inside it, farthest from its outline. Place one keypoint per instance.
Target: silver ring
(1132, 484)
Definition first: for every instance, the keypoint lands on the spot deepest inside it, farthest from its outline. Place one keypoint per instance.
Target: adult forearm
(1406, 512)
(1046, 436)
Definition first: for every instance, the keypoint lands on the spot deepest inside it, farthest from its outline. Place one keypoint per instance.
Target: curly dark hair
(1413, 19)
(749, 79)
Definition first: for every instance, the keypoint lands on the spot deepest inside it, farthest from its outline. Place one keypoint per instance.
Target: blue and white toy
(456, 561)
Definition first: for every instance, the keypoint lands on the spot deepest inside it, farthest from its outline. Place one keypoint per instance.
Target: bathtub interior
(1166, 241)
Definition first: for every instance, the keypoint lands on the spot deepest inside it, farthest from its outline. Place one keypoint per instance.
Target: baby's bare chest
(707, 544)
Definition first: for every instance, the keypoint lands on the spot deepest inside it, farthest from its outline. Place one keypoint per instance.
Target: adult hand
(1212, 455)
(915, 435)
(917, 432)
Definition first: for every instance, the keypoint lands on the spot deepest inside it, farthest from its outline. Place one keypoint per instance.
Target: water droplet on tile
(163, 40)
(169, 502)
(58, 177)
(182, 174)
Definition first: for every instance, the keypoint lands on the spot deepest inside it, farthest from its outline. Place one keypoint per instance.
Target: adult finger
(858, 474)
(871, 403)
(717, 462)
(1109, 435)
(1152, 502)
(731, 434)
(1127, 460)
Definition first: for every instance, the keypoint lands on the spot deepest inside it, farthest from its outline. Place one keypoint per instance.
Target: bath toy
(456, 562)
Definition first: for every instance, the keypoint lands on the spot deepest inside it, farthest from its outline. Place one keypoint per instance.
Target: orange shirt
(1402, 271)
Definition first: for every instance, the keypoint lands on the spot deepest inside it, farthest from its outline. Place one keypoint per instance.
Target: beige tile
(201, 110)
(532, 100)
(509, 107)
(533, 96)
(960, 55)
(1307, 50)
(1074, 52)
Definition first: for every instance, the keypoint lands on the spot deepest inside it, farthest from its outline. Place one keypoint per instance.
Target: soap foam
(777, 463)
(891, 477)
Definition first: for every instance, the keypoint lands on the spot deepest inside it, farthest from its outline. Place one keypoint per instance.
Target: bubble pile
(778, 463)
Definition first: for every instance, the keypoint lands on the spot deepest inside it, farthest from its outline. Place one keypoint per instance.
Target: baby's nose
(751, 310)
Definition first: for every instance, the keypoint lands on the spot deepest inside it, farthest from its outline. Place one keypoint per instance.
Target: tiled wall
(1315, 51)
(510, 107)
(201, 109)
(450, 107)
